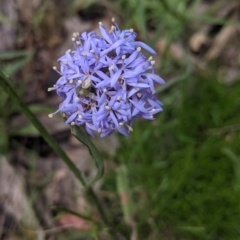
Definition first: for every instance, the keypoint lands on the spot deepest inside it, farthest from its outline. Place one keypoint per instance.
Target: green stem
(83, 138)
(53, 144)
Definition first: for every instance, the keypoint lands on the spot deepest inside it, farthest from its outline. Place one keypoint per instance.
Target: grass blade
(125, 194)
(142, 19)
(14, 54)
(42, 130)
(82, 137)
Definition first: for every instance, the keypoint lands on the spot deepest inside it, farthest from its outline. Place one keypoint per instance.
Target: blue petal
(155, 77)
(115, 78)
(115, 45)
(114, 118)
(89, 131)
(71, 118)
(131, 58)
(140, 85)
(138, 106)
(135, 112)
(145, 46)
(123, 131)
(105, 34)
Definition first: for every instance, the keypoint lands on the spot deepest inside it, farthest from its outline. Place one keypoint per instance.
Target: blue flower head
(106, 82)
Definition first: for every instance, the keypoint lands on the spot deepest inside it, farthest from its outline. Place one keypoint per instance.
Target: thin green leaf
(42, 130)
(177, 15)
(175, 80)
(142, 19)
(125, 194)
(15, 66)
(61, 210)
(14, 54)
(236, 162)
(82, 137)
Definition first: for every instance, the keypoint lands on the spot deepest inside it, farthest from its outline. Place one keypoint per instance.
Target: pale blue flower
(106, 82)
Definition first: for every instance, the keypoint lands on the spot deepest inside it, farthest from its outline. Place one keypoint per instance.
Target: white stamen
(139, 49)
(129, 128)
(80, 116)
(113, 19)
(153, 62)
(54, 68)
(63, 114)
(119, 98)
(99, 130)
(69, 50)
(50, 115)
(75, 34)
(150, 58)
(70, 81)
(78, 43)
(123, 57)
(65, 62)
(104, 90)
(112, 29)
(131, 30)
(73, 39)
(77, 99)
(92, 51)
(84, 54)
(91, 95)
(111, 68)
(107, 108)
(87, 83)
(51, 89)
(72, 123)
(79, 81)
(153, 110)
(100, 23)
(139, 95)
(121, 124)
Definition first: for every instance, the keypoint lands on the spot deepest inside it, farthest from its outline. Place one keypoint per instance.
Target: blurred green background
(180, 172)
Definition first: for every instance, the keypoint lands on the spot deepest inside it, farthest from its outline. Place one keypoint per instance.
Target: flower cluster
(106, 82)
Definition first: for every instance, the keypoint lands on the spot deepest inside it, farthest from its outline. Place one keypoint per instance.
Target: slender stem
(53, 144)
(83, 138)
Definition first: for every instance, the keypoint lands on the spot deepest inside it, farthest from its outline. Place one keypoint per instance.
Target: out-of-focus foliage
(182, 171)
(186, 164)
